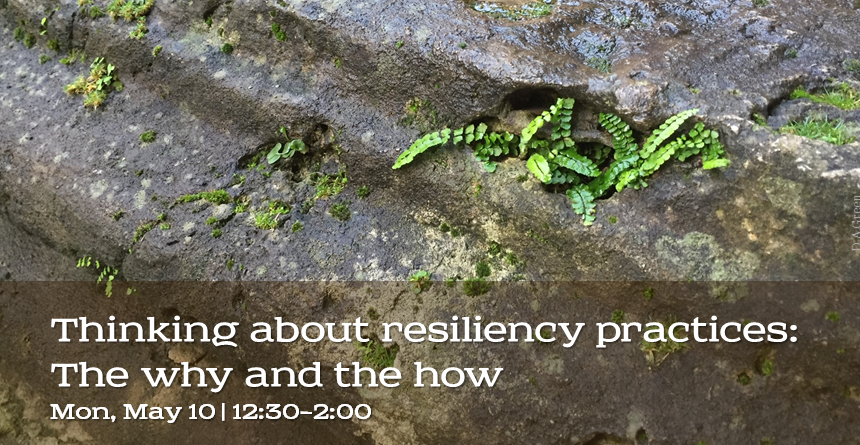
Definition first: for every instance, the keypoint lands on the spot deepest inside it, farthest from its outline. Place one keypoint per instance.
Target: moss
(215, 197)
(601, 64)
(475, 286)
(29, 40)
(330, 185)
(612, 219)
(118, 214)
(362, 192)
(649, 293)
(142, 230)
(494, 248)
(372, 313)
(376, 355)
(531, 10)
(744, 379)
(832, 316)
(761, 3)
(140, 30)
(462, 45)
(164, 226)
(148, 136)
(270, 219)
(216, 233)
(96, 12)
(482, 269)
(790, 53)
(512, 259)
(227, 48)
(307, 206)
(297, 227)
(522, 178)
(765, 367)
(19, 33)
(44, 59)
(618, 316)
(759, 120)
(211, 220)
(399, 44)
(129, 10)
(230, 264)
(656, 352)
(156, 51)
(851, 65)
(455, 232)
(278, 33)
(340, 212)
(444, 227)
(53, 45)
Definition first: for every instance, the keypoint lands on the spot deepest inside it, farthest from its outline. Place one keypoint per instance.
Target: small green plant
(512, 259)
(649, 293)
(843, 96)
(826, 130)
(618, 316)
(230, 264)
(656, 352)
(759, 120)
(362, 192)
(560, 163)
(148, 136)
(601, 64)
(73, 56)
(462, 45)
(106, 273)
(297, 227)
(156, 51)
(330, 185)
(832, 316)
(482, 269)
(96, 12)
(216, 233)
(129, 10)
(164, 226)
(376, 355)
(612, 219)
(531, 10)
(269, 219)
(475, 286)
(372, 313)
(760, 3)
(766, 441)
(118, 214)
(140, 30)
(53, 45)
(851, 65)
(766, 367)
(19, 33)
(278, 33)
(399, 44)
(95, 88)
(744, 379)
(494, 248)
(227, 49)
(444, 227)
(791, 53)
(29, 40)
(283, 151)
(43, 58)
(211, 220)
(340, 212)
(216, 197)
(336, 61)
(419, 281)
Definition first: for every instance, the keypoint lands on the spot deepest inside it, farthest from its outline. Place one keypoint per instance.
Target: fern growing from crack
(559, 161)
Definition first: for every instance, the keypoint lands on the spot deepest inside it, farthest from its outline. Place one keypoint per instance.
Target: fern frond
(650, 165)
(660, 135)
(582, 202)
(622, 135)
(538, 165)
(607, 179)
(421, 145)
(572, 160)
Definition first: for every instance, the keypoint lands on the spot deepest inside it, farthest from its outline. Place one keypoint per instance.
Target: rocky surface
(358, 81)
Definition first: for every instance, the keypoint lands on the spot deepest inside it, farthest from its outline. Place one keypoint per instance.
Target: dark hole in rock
(532, 99)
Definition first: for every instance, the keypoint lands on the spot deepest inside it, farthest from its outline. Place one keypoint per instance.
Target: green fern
(582, 201)
(538, 165)
(106, 273)
(558, 161)
(665, 131)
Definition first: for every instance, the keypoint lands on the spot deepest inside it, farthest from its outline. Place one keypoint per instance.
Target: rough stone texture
(340, 81)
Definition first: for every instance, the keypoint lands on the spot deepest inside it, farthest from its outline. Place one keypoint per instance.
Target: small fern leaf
(660, 135)
(659, 157)
(530, 131)
(420, 146)
(716, 163)
(572, 160)
(607, 179)
(622, 135)
(538, 165)
(582, 202)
